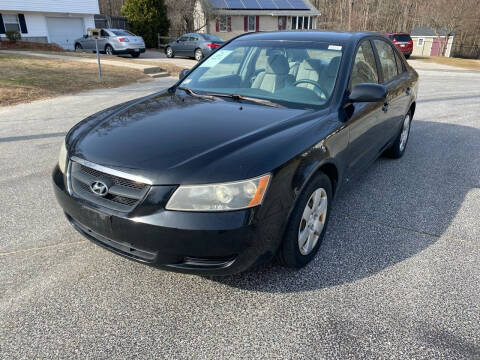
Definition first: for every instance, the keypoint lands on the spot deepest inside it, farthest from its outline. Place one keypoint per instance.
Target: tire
(292, 253)
(198, 54)
(169, 52)
(109, 50)
(407, 56)
(399, 146)
(135, 55)
(78, 47)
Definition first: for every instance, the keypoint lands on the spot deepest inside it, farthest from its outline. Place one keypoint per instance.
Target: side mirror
(183, 73)
(368, 92)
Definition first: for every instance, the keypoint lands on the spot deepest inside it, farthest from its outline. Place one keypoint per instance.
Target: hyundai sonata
(240, 160)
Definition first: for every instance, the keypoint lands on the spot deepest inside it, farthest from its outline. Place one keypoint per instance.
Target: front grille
(123, 194)
(117, 180)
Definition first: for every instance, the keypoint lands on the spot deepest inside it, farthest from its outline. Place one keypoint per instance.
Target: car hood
(179, 139)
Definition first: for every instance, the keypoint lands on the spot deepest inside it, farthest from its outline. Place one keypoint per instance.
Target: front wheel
(135, 55)
(398, 147)
(198, 54)
(407, 56)
(307, 224)
(78, 47)
(108, 50)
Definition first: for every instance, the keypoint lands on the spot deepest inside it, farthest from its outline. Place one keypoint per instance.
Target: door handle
(408, 91)
(385, 107)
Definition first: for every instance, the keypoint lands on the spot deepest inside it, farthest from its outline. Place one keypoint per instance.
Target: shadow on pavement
(397, 209)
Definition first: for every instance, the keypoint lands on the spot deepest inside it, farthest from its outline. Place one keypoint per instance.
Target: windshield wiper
(238, 97)
(235, 97)
(191, 92)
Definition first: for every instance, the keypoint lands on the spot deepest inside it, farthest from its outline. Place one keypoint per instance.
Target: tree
(147, 18)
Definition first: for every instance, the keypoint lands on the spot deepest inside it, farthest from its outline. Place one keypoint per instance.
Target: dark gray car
(193, 45)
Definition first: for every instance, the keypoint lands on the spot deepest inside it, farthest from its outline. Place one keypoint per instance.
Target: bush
(147, 18)
(13, 35)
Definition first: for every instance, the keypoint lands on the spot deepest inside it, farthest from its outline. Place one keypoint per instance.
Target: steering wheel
(311, 82)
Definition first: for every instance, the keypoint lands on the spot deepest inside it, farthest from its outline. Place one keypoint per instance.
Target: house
(427, 43)
(59, 21)
(229, 18)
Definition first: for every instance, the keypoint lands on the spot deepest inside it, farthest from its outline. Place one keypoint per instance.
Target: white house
(54, 21)
(229, 18)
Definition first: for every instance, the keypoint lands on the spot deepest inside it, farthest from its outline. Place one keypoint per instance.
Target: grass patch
(471, 64)
(26, 78)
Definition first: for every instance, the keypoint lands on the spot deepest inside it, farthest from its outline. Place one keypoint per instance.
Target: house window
(11, 22)
(222, 23)
(303, 22)
(282, 23)
(420, 42)
(252, 23)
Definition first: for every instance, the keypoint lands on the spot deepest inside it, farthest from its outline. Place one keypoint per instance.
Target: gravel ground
(397, 276)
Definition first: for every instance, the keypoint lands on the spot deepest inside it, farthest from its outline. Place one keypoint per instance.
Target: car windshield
(402, 38)
(211, 37)
(295, 74)
(122, 33)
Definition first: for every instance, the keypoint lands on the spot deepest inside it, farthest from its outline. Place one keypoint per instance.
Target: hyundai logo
(99, 188)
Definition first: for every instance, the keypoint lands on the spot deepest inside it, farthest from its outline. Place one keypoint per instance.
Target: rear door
(192, 44)
(364, 119)
(397, 91)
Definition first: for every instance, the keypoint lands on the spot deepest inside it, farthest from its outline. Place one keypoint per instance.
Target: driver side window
(364, 67)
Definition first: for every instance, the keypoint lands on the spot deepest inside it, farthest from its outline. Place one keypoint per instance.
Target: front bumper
(202, 243)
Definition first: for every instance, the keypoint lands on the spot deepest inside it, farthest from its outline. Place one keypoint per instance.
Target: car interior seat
(275, 75)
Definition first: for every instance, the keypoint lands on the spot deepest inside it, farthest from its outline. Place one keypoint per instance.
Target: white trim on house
(52, 6)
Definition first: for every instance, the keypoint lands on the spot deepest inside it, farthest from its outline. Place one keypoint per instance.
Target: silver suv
(113, 42)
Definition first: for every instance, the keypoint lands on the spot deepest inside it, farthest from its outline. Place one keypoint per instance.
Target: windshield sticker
(214, 59)
(334, 47)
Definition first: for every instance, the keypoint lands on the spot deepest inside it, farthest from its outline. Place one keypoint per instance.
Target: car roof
(309, 35)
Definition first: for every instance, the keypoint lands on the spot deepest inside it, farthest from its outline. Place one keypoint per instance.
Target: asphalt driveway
(398, 275)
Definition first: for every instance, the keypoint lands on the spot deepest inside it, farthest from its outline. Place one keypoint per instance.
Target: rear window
(211, 37)
(122, 33)
(402, 37)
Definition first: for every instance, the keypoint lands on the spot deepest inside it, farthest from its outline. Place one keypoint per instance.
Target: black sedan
(238, 162)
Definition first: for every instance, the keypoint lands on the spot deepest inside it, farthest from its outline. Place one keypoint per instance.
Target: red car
(403, 42)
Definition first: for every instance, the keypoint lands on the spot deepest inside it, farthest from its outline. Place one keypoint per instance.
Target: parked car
(113, 42)
(241, 159)
(403, 42)
(193, 45)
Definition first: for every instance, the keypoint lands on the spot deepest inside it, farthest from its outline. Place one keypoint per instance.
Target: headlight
(220, 197)
(62, 158)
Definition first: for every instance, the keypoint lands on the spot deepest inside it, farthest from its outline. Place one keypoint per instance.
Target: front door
(364, 120)
(179, 47)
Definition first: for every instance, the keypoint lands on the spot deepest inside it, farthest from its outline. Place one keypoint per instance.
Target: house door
(437, 47)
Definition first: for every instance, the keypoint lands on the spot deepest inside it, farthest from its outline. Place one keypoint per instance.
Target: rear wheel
(407, 56)
(135, 55)
(198, 54)
(398, 147)
(78, 47)
(307, 224)
(109, 50)
(169, 52)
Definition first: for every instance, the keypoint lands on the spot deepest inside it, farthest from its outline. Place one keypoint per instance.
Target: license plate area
(137, 50)
(95, 221)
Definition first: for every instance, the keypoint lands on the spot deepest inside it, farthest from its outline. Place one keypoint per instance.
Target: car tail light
(123, 40)
(213, 46)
